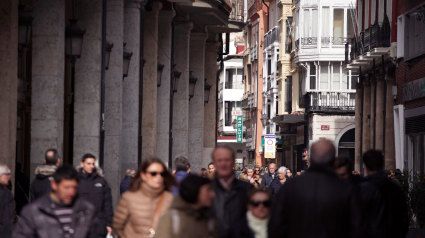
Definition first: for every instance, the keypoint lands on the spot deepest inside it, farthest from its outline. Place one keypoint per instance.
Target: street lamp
(264, 119)
(108, 54)
(207, 89)
(160, 68)
(192, 83)
(176, 76)
(24, 27)
(126, 63)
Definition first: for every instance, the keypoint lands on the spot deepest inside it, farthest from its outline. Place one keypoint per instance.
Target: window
(324, 76)
(326, 14)
(306, 23)
(269, 66)
(234, 79)
(338, 24)
(354, 81)
(336, 76)
(288, 43)
(344, 80)
(231, 106)
(414, 37)
(312, 76)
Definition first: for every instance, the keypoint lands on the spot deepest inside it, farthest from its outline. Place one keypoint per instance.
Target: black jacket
(7, 212)
(94, 188)
(267, 180)
(275, 187)
(229, 207)
(316, 204)
(125, 184)
(384, 206)
(242, 230)
(41, 184)
(39, 221)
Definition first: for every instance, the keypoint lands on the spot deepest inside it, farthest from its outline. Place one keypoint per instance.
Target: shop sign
(238, 161)
(300, 135)
(239, 133)
(237, 113)
(270, 146)
(325, 127)
(413, 90)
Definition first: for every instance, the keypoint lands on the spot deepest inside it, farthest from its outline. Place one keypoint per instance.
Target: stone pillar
(181, 97)
(87, 81)
(163, 101)
(380, 107)
(366, 121)
(130, 86)
(150, 71)
(372, 112)
(48, 73)
(8, 83)
(358, 130)
(196, 104)
(390, 163)
(113, 97)
(210, 113)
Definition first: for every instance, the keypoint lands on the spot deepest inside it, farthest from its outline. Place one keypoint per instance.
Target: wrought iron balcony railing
(245, 104)
(271, 37)
(253, 53)
(326, 41)
(309, 41)
(234, 85)
(330, 102)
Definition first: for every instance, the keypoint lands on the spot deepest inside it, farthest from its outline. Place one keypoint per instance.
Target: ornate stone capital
(183, 28)
(198, 36)
(166, 16)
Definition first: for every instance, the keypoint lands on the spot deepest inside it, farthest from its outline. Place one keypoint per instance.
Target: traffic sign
(270, 144)
(239, 131)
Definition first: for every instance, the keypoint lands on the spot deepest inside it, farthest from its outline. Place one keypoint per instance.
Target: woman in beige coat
(146, 201)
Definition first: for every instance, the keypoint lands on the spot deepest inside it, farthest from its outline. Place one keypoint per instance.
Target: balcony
(245, 104)
(271, 37)
(248, 141)
(234, 85)
(308, 41)
(331, 102)
(254, 53)
(252, 102)
(334, 41)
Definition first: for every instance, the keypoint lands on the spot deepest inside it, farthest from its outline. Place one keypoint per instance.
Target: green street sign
(239, 132)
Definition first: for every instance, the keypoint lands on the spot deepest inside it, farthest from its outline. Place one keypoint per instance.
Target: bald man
(319, 204)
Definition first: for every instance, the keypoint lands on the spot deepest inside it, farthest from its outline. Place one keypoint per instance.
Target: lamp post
(207, 89)
(109, 47)
(264, 119)
(176, 76)
(126, 63)
(192, 83)
(73, 45)
(160, 68)
(24, 28)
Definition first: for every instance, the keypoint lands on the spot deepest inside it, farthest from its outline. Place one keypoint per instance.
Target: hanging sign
(269, 145)
(239, 132)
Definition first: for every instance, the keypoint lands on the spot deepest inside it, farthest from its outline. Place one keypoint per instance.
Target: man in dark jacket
(317, 204)
(344, 168)
(7, 212)
(43, 173)
(182, 166)
(59, 213)
(270, 176)
(125, 182)
(383, 201)
(229, 205)
(95, 189)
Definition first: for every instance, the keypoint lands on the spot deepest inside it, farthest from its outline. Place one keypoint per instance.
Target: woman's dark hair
(190, 186)
(66, 172)
(136, 182)
(258, 190)
(203, 172)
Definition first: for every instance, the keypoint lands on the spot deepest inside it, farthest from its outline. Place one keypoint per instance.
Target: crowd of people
(325, 201)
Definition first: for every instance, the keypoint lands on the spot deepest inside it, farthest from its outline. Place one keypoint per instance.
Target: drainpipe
(220, 54)
(374, 106)
(268, 16)
(361, 120)
(102, 88)
(170, 126)
(385, 105)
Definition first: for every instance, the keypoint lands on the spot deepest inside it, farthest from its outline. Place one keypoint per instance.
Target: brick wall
(404, 74)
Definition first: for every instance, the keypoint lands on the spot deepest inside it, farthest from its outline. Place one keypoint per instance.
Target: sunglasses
(153, 174)
(257, 203)
(257, 170)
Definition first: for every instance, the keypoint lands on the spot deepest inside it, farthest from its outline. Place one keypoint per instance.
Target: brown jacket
(191, 223)
(136, 210)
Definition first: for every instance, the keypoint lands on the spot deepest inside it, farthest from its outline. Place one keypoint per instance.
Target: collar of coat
(44, 205)
(150, 192)
(96, 172)
(45, 169)
(322, 169)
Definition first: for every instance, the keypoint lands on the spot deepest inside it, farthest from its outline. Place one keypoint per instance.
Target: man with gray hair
(326, 205)
(6, 204)
(125, 182)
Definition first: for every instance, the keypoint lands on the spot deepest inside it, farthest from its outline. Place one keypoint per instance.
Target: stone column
(372, 112)
(358, 129)
(380, 107)
(150, 71)
(390, 163)
(130, 86)
(113, 97)
(366, 121)
(48, 73)
(87, 81)
(163, 101)
(210, 114)
(196, 104)
(181, 97)
(8, 83)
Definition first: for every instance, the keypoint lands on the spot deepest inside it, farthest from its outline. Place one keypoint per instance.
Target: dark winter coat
(179, 176)
(7, 212)
(275, 187)
(125, 184)
(38, 220)
(242, 230)
(41, 184)
(267, 180)
(385, 207)
(95, 189)
(229, 206)
(317, 204)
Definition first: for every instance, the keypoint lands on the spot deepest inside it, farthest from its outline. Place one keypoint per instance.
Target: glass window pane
(314, 22)
(336, 76)
(324, 76)
(344, 80)
(306, 23)
(338, 23)
(354, 81)
(312, 76)
(325, 19)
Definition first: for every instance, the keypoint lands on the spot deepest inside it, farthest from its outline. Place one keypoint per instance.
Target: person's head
(211, 168)
(182, 164)
(244, 170)
(88, 163)
(250, 171)
(288, 172)
(4, 175)
(197, 191)
(51, 157)
(373, 161)
(203, 173)
(298, 173)
(131, 172)
(259, 203)
(153, 174)
(224, 161)
(343, 168)
(65, 185)
(272, 168)
(257, 170)
(281, 173)
(322, 153)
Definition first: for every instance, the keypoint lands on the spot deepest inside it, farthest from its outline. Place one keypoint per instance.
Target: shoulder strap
(175, 222)
(156, 216)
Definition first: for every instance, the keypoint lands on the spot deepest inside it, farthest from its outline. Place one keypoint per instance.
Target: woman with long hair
(148, 198)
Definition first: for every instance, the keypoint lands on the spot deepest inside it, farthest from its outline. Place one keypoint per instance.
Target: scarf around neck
(257, 225)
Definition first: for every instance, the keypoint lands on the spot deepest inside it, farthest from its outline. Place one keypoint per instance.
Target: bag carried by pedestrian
(156, 217)
(175, 224)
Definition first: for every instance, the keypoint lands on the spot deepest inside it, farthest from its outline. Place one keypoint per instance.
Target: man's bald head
(322, 153)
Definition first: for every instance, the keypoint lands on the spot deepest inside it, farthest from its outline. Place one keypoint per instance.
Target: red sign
(325, 127)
